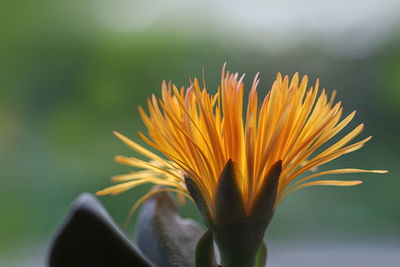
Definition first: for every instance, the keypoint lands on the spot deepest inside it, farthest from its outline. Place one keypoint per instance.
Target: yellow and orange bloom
(238, 162)
(199, 132)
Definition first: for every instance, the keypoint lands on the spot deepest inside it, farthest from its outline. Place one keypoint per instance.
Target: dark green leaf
(89, 237)
(166, 238)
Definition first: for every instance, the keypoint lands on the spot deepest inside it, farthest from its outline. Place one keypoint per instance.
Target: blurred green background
(73, 71)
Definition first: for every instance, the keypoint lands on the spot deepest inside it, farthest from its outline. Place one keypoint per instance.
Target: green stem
(238, 261)
(242, 257)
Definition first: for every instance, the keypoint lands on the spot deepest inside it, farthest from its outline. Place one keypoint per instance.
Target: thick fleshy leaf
(89, 237)
(205, 256)
(229, 206)
(199, 200)
(163, 236)
(147, 238)
(262, 255)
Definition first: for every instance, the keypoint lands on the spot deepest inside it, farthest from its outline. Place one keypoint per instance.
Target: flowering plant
(237, 162)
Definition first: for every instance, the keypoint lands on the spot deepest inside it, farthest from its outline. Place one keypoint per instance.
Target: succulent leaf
(89, 237)
(166, 238)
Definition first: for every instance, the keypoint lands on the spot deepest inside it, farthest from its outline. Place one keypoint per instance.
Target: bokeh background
(73, 71)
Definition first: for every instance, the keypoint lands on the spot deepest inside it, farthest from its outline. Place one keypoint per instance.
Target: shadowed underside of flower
(200, 132)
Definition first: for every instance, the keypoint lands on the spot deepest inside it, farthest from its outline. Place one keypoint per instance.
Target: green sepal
(263, 208)
(229, 206)
(237, 238)
(205, 256)
(261, 255)
(199, 200)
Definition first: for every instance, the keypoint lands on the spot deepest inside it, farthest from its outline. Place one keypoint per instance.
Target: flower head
(238, 162)
(200, 132)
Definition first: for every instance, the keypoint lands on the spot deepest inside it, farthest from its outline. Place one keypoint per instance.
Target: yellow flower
(200, 132)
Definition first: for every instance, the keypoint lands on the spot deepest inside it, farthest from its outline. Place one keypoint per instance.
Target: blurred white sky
(345, 28)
